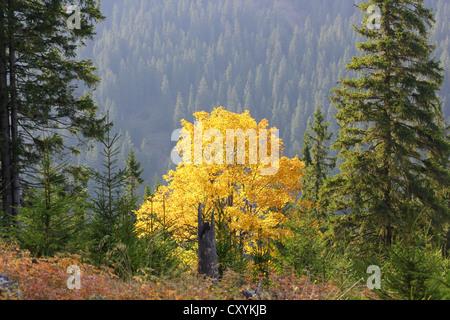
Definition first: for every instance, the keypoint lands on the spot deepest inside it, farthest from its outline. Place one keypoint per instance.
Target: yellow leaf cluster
(250, 203)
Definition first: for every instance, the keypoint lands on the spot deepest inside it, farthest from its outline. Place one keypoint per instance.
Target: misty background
(161, 61)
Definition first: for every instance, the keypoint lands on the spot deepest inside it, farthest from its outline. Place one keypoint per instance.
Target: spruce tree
(133, 178)
(178, 111)
(55, 210)
(315, 154)
(392, 135)
(109, 201)
(132, 181)
(39, 78)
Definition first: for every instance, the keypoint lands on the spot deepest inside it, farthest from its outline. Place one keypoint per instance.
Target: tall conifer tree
(392, 135)
(316, 157)
(39, 77)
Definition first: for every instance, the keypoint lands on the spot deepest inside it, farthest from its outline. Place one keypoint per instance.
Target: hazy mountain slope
(160, 61)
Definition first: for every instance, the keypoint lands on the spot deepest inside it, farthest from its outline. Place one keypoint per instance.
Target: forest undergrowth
(46, 279)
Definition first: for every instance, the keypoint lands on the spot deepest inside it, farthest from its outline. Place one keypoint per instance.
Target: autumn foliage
(248, 203)
(46, 279)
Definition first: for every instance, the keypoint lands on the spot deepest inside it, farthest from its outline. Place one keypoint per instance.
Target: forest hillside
(161, 61)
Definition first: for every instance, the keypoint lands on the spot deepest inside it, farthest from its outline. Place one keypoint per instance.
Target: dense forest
(277, 59)
(354, 119)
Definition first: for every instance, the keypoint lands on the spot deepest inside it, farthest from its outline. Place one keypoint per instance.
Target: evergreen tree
(147, 192)
(38, 92)
(54, 216)
(108, 204)
(133, 179)
(315, 154)
(179, 111)
(392, 135)
(203, 99)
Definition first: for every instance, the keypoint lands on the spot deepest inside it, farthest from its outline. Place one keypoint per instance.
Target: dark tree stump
(207, 251)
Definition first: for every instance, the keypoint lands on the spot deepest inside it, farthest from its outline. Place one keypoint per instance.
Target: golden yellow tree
(234, 166)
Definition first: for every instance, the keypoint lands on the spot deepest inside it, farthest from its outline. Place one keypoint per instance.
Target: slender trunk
(151, 218)
(388, 147)
(15, 178)
(446, 246)
(5, 142)
(108, 154)
(387, 177)
(48, 194)
(109, 185)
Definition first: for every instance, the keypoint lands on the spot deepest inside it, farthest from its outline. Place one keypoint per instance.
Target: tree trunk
(446, 246)
(207, 251)
(15, 179)
(5, 145)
